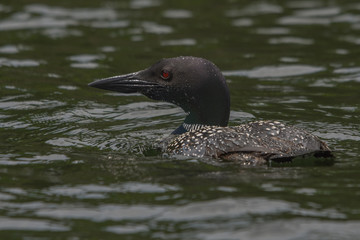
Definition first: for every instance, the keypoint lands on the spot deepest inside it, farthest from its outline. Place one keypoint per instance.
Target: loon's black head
(194, 84)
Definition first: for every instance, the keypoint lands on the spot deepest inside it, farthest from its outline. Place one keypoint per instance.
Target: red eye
(165, 74)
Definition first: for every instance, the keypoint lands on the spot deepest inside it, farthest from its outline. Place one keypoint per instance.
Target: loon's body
(199, 88)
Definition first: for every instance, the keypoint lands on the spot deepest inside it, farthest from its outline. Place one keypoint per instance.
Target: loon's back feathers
(264, 140)
(199, 88)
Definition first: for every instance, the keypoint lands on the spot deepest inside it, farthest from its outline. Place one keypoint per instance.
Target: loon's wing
(262, 140)
(280, 140)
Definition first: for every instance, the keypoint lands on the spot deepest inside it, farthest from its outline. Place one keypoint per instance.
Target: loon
(199, 88)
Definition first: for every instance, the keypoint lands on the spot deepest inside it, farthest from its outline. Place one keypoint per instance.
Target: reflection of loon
(199, 88)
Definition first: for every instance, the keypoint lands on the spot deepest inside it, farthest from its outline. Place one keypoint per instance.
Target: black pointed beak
(128, 83)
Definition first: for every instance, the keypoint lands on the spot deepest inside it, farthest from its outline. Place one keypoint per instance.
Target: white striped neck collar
(193, 127)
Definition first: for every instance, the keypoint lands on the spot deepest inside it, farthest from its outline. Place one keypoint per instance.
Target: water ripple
(138, 4)
(152, 27)
(85, 60)
(35, 23)
(177, 13)
(179, 42)
(30, 224)
(291, 40)
(320, 12)
(55, 19)
(79, 14)
(223, 208)
(273, 31)
(255, 9)
(290, 229)
(34, 104)
(242, 22)
(128, 229)
(298, 20)
(110, 24)
(68, 87)
(106, 212)
(92, 191)
(35, 159)
(57, 33)
(13, 49)
(19, 63)
(275, 71)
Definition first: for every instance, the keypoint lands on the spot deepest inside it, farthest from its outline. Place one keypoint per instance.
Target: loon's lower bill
(199, 88)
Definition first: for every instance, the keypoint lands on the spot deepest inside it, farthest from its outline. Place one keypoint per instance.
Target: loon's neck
(196, 120)
(185, 127)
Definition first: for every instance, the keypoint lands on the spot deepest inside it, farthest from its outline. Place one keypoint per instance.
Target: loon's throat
(193, 127)
(186, 127)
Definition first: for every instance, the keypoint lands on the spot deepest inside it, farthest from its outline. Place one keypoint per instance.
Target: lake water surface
(73, 160)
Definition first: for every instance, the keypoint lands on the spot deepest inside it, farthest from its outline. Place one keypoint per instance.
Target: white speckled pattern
(265, 139)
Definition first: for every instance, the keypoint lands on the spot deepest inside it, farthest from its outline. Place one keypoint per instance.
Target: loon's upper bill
(199, 88)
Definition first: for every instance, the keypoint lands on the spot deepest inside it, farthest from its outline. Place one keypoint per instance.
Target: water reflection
(177, 13)
(275, 71)
(28, 105)
(99, 191)
(138, 4)
(85, 60)
(12, 49)
(179, 42)
(308, 229)
(19, 63)
(152, 27)
(37, 16)
(257, 8)
(291, 40)
(28, 224)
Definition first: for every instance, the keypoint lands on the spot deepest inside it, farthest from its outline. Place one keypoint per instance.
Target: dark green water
(71, 158)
